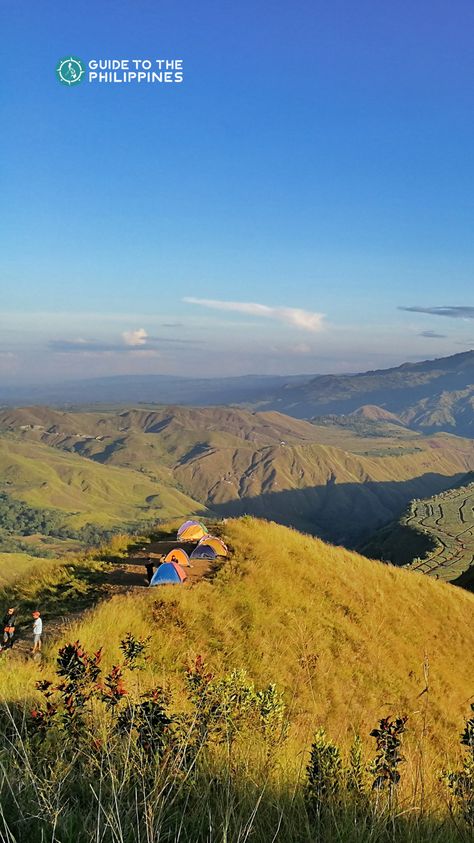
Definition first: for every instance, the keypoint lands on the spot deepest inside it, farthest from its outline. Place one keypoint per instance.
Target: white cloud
(138, 337)
(305, 319)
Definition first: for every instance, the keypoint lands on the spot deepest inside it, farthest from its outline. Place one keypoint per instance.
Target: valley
(339, 478)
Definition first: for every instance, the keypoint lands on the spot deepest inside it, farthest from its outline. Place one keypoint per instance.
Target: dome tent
(169, 573)
(178, 555)
(191, 531)
(203, 551)
(216, 543)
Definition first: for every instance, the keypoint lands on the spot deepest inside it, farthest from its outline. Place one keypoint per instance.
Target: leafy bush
(324, 773)
(461, 782)
(388, 758)
(17, 517)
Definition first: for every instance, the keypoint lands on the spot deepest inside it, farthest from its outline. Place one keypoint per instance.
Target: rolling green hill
(343, 636)
(289, 629)
(84, 491)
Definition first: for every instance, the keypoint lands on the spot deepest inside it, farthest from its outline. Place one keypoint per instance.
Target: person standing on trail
(37, 632)
(150, 570)
(8, 628)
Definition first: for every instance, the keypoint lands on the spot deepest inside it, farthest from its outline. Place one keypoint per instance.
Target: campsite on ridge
(285, 626)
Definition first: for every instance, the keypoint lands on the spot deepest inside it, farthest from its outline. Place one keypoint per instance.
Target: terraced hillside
(435, 536)
(448, 519)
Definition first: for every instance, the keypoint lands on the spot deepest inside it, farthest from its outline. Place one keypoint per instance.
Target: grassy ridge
(346, 638)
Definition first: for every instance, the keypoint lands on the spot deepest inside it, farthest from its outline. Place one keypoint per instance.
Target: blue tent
(168, 573)
(204, 551)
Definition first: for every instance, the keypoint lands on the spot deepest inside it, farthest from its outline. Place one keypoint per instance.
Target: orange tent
(178, 555)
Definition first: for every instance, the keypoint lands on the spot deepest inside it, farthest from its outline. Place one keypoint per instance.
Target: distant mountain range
(433, 395)
(428, 396)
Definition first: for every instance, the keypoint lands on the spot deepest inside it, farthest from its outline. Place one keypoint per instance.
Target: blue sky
(315, 163)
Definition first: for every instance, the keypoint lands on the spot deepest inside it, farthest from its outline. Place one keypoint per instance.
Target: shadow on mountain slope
(342, 513)
(465, 580)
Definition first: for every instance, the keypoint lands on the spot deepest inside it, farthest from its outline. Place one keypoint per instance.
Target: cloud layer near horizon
(305, 319)
(432, 335)
(451, 312)
(132, 341)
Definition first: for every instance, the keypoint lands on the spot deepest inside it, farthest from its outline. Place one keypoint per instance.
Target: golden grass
(345, 638)
(17, 566)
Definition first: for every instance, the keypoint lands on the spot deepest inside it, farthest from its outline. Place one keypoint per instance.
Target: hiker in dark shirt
(150, 570)
(9, 628)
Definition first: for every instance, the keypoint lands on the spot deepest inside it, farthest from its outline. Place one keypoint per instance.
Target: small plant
(134, 651)
(324, 773)
(271, 710)
(461, 782)
(388, 757)
(113, 689)
(224, 707)
(80, 673)
(150, 722)
(65, 703)
(355, 774)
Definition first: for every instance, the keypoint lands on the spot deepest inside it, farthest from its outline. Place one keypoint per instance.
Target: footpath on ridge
(124, 575)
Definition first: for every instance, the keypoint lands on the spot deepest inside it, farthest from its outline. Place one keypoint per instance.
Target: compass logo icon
(70, 70)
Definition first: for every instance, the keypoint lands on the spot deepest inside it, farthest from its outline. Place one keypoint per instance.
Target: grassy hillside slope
(83, 490)
(348, 641)
(339, 481)
(345, 637)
